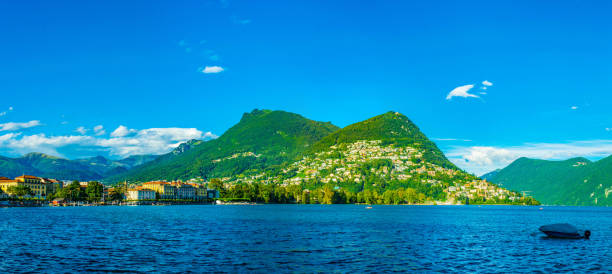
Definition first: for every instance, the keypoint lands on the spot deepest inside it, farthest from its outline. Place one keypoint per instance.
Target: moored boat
(565, 231)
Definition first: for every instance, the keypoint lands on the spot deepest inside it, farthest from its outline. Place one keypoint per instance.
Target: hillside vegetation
(276, 156)
(575, 181)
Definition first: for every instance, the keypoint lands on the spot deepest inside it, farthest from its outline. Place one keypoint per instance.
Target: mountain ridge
(574, 181)
(85, 169)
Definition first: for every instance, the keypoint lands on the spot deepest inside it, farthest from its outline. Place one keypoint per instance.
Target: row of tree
(394, 193)
(326, 194)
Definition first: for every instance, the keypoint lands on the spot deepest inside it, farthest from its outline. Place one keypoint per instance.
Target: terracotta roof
(27, 177)
(4, 178)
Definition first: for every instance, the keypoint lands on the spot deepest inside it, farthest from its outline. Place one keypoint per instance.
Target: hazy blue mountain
(43, 165)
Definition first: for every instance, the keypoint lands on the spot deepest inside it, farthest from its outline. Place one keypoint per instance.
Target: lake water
(301, 238)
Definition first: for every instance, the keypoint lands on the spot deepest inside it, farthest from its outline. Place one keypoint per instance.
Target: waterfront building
(164, 189)
(140, 194)
(201, 192)
(39, 189)
(53, 185)
(212, 193)
(185, 191)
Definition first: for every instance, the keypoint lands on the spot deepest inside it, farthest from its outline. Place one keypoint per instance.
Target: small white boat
(565, 231)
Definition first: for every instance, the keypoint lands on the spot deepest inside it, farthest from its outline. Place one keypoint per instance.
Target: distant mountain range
(94, 168)
(576, 181)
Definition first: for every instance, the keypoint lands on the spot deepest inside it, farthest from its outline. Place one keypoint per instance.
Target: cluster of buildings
(40, 187)
(345, 162)
(342, 163)
(480, 189)
(161, 190)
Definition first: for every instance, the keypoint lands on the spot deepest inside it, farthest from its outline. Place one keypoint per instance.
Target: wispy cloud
(99, 130)
(81, 130)
(574, 108)
(461, 91)
(12, 126)
(6, 112)
(212, 69)
(487, 83)
(482, 159)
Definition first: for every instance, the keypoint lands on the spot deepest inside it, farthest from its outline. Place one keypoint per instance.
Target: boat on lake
(564, 231)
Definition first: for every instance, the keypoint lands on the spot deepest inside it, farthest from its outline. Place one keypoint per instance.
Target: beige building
(140, 194)
(38, 187)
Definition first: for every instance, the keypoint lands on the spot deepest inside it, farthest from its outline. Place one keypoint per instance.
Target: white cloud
(11, 108)
(482, 159)
(487, 83)
(152, 141)
(483, 88)
(81, 130)
(608, 129)
(212, 69)
(8, 136)
(12, 126)
(145, 141)
(574, 107)
(99, 130)
(40, 143)
(122, 131)
(483, 93)
(461, 91)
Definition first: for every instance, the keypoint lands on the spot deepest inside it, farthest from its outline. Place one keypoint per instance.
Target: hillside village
(357, 161)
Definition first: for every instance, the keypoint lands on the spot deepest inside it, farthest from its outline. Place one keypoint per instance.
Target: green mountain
(575, 181)
(261, 139)
(390, 128)
(276, 156)
(39, 164)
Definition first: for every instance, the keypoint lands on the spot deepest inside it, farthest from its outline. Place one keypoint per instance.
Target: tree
(94, 191)
(72, 192)
(20, 190)
(218, 185)
(116, 194)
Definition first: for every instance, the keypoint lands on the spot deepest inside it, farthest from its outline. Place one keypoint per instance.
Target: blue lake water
(301, 238)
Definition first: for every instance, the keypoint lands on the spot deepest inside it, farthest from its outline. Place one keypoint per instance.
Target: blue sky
(137, 69)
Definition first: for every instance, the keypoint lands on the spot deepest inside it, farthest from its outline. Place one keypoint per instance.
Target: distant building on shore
(140, 194)
(40, 187)
(172, 191)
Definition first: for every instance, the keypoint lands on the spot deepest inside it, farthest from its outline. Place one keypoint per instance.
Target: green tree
(94, 191)
(20, 190)
(73, 192)
(218, 185)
